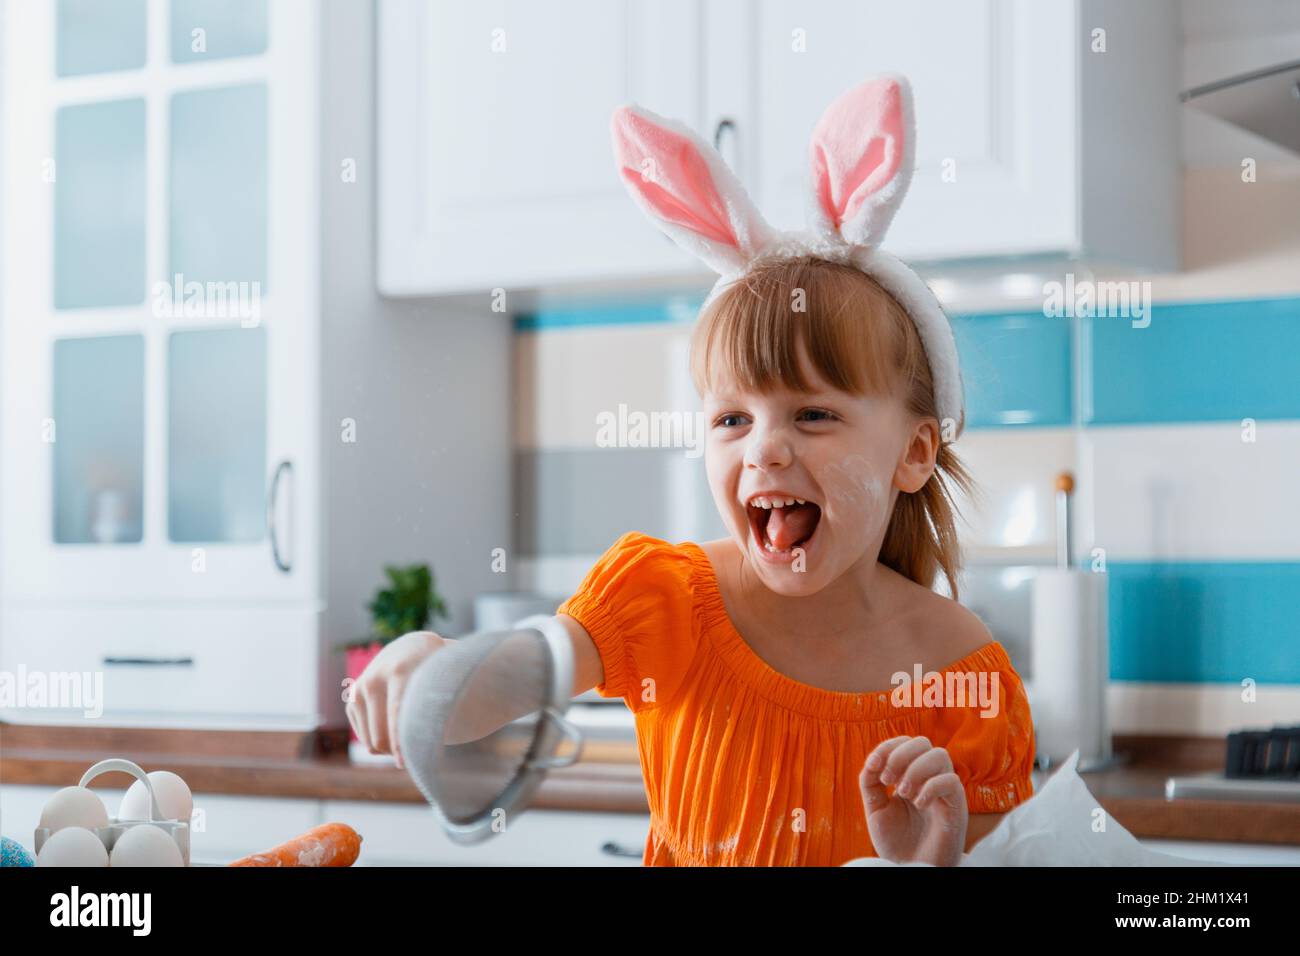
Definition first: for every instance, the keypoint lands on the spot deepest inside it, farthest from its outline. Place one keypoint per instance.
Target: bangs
(857, 338)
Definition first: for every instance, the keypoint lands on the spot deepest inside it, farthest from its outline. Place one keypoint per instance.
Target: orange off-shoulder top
(744, 765)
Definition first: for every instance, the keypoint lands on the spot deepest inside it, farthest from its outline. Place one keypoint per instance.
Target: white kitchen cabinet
(1039, 136)
(495, 167)
(161, 328)
(1030, 142)
(1046, 129)
(198, 503)
(409, 835)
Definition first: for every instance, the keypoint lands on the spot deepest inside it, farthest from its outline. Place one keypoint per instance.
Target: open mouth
(781, 523)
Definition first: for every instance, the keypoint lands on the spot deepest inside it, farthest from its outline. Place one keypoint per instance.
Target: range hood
(1265, 102)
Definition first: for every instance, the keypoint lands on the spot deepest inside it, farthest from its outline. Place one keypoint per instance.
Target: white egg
(174, 798)
(74, 807)
(146, 845)
(73, 846)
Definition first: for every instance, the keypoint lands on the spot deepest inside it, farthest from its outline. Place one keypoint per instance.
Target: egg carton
(178, 830)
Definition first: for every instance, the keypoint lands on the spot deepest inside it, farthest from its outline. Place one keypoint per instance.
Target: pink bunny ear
(862, 158)
(683, 185)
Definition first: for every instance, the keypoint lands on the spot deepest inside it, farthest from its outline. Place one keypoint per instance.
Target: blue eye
(822, 414)
(730, 420)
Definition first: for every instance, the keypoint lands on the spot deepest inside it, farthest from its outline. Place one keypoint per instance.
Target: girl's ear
(861, 156)
(686, 189)
(919, 458)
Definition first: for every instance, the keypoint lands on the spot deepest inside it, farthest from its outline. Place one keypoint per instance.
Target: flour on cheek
(855, 494)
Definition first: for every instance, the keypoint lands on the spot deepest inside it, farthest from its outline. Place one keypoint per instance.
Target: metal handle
(610, 848)
(150, 661)
(569, 731)
(725, 125)
(284, 467)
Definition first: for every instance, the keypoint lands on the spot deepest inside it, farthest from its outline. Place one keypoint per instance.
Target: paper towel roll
(1070, 665)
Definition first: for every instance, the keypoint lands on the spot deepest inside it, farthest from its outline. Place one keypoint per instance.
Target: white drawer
(253, 666)
(408, 834)
(227, 827)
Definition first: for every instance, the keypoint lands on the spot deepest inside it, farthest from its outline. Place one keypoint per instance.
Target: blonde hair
(860, 340)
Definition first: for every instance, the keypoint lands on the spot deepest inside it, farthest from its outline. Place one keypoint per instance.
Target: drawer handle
(610, 848)
(150, 661)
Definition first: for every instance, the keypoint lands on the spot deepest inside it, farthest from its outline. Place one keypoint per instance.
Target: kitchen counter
(607, 779)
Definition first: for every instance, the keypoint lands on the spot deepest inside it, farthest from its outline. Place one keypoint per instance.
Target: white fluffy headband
(861, 160)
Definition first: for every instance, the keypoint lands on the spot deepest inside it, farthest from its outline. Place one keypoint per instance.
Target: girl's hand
(372, 711)
(925, 820)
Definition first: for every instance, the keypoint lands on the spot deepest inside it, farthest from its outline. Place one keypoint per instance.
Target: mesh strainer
(482, 720)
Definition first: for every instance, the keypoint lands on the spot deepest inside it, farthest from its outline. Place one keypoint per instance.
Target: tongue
(786, 527)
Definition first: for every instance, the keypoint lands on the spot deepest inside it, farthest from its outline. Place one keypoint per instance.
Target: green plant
(408, 604)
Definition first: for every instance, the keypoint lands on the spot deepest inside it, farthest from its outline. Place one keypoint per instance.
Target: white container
(179, 830)
(1070, 663)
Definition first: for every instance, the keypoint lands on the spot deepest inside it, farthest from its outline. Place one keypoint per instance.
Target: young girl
(769, 670)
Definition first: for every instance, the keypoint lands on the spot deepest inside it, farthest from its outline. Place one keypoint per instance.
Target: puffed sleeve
(637, 603)
(991, 747)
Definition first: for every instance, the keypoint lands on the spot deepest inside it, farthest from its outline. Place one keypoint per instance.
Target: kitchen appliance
(1262, 765)
(498, 610)
(1264, 101)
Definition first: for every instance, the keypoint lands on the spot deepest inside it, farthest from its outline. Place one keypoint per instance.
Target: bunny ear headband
(861, 160)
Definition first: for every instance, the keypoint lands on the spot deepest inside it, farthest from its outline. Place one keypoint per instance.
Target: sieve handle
(570, 731)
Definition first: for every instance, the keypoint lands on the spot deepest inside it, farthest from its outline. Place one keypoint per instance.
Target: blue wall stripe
(1204, 622)
(613, 313)
(1016, 366)
(1196, 362)
(1016, 369)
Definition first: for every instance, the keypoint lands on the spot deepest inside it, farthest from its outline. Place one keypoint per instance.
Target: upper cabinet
(159, 314)
(1046, 128)
(494, 150)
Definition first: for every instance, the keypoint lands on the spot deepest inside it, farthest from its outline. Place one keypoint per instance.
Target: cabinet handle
(150, 661)
(726, 126)
(285, 467)
(610, 848)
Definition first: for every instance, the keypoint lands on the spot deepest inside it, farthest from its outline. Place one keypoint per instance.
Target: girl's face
(806, 482)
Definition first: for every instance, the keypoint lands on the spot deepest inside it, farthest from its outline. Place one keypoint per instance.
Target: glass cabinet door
(216, 435)
(99, 205)
(97, 435)
(159, 322)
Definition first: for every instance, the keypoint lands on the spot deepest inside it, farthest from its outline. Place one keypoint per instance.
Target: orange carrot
(330, 844)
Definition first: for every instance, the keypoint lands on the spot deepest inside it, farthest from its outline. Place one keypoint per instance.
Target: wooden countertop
(286, 764)
(607, 779)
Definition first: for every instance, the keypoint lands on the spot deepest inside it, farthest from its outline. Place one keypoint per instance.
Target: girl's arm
(475, 719)
(588, 671)
(372, 708)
